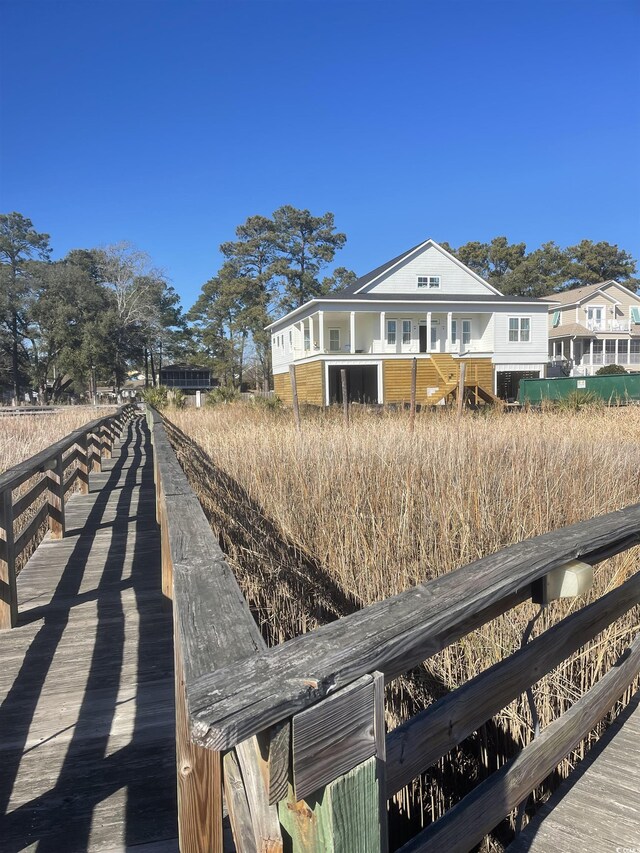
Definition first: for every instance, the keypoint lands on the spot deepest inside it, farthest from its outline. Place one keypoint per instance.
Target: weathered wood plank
(199, 774)
(264, 818)
(86, 683)
(605, 786)
(8, 591)
(340, 819)
(237, 805)
(333, 737)
(26, 535)
(468, 822)
(275, 755)
(422, 740)
(391, 636)
(25, 501)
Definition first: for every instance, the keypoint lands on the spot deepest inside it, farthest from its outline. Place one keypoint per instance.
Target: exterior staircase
(448, 369)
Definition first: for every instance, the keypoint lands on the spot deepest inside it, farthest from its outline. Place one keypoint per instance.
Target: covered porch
(386, 332)
(587, 354)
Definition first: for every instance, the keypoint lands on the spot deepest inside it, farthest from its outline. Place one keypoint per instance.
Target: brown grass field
(22, 436)
(320, 522)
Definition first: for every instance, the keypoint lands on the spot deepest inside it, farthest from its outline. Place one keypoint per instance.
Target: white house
(424, 304)
(594, 325)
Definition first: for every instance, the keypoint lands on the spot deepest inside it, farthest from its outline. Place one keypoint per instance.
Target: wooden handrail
(51, 463)
(392, 635)
(467, 823)
(231, 688)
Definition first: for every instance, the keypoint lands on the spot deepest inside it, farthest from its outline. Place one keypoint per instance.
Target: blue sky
(168, 123)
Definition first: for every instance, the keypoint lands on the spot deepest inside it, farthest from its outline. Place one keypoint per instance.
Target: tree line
(91, 317)
(81, 321)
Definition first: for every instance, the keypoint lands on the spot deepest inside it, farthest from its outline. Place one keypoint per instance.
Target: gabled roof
(365, 280)
(577, 294)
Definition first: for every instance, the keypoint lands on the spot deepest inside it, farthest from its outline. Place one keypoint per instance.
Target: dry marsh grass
(22, 436)
(320, 522)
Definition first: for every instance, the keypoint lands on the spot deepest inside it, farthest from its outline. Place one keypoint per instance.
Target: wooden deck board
(87, 751)
(597, 809)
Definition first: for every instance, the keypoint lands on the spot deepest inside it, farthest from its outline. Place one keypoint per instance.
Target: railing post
(55, 477)
(199, 774)
(337, 791)
(96, 451)
(107, 440)
(84, 464)
(8, 591)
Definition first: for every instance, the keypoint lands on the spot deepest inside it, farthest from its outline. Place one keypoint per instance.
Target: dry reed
(320, 522)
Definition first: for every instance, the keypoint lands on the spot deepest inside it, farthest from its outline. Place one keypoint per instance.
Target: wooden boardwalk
(87, 729)
(597, 809)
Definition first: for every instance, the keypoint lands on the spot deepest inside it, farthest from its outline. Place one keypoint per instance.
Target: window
(290, 341)
(466, 332)
(623, 351)
(428, 281)
(434, 334)
(556, 319)
(406, 331)
(519, 329)
(454, 331)
(307, 338)
(391, 332)
(334, 340)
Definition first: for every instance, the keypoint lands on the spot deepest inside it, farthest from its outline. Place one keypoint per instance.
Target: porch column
(571, 349)
(591, 352)
(382, 332)
(352, 331)
(449, 331)
(616, 351)
(321, 330)
(428, 331)
(310, 334)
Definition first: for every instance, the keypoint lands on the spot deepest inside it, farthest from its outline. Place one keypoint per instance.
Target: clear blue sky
(168, 123)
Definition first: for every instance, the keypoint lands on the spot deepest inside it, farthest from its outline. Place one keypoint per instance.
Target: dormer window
(430, 281)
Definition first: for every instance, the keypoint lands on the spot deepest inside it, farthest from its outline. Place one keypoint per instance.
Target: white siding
(533, 352)
(453, 277)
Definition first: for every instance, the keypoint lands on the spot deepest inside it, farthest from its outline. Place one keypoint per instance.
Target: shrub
(611, 370)
(577, 399)
(271, 403)
(178, 399)
(222, 394)
(156, 396)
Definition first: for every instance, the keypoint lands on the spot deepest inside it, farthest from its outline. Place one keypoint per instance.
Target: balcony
(608, 326)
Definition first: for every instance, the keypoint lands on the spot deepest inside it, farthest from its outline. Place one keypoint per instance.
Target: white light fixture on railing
(567, 581)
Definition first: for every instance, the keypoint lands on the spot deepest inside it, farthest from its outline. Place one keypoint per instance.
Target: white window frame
(432, 282)
(392, 343)
(331, 348)
(596, 306)
(454, 330)
(464, 335)
(306, 338)
(290, 340)
(519, 339)
(407, 343)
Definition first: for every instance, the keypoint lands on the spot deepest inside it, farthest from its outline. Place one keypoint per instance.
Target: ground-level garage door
(508, 382)
(362, 383)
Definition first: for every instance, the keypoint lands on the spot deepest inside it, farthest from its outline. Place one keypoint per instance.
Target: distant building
(187, 377)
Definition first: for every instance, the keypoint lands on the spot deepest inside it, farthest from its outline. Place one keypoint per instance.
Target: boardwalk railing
(295, 733)
(85, 446)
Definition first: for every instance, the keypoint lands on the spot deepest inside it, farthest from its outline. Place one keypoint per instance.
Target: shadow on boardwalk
(87, 752)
